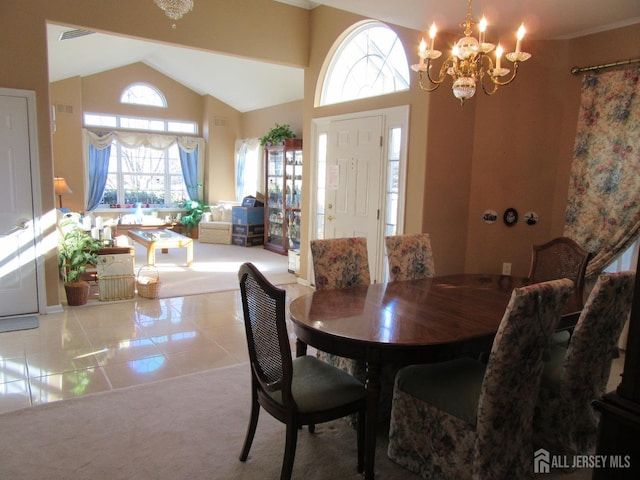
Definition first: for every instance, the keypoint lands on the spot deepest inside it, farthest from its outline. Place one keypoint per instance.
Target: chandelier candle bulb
(422, 51)
(498, 56)
(519, 37)
(432, 35)
(483, 28)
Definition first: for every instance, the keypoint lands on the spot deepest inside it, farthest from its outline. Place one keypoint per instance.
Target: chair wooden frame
(272, 373)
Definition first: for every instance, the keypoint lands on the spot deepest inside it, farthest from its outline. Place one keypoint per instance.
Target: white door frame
(392, 117)
(38, 219)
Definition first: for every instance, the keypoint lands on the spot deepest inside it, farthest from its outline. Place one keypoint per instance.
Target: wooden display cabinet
(284, 196)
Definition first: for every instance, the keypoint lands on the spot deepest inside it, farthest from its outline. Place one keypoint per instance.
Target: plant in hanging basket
(277, 135)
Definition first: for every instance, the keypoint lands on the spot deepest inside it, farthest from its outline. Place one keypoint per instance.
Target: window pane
(394, 144)
(100, 120)
(371, 61)
(142, 124)
(182, 127)
(143, 95)
(144, 175)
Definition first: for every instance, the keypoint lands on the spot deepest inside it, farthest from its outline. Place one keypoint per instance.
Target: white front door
(354, 196)
(18, 259)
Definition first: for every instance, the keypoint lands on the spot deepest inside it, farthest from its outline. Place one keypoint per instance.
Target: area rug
(214, 269)
(189, 427)
(186, 428)
(18, 322)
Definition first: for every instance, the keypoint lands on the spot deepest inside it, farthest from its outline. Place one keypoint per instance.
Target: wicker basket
(118, 286)
(148, 286)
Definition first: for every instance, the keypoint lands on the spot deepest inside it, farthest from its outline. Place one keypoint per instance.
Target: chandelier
(175, 9)
(469, 62)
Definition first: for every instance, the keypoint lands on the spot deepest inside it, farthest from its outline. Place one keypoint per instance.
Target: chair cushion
(552, 373)
(319, 386)
(561, 338)
(453, 386)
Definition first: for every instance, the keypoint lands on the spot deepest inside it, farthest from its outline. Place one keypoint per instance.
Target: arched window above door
(367, 61)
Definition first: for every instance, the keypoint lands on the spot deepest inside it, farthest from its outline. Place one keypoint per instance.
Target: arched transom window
(367, 61)
(142, 94)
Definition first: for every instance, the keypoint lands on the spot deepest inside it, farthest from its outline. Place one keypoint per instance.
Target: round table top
(429, 312)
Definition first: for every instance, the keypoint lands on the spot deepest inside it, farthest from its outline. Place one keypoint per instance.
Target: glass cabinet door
(284, 196)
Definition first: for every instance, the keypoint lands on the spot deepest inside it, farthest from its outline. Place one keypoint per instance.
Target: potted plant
(76, 250)
(194, 211)
(277, 135)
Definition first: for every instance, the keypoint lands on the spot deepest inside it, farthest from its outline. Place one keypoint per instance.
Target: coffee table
(161, 238)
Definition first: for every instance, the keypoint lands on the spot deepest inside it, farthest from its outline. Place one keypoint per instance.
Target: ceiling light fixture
(175, 9)
(469, 61)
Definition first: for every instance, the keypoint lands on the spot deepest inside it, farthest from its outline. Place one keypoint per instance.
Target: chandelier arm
(441, 74)
(511, 79)
(421, 83)
(434, 82)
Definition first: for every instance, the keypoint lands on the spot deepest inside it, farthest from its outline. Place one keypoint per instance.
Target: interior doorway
(21, 265)
(359, 178)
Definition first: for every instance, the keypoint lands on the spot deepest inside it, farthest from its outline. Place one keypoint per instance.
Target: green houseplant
(194, 211)
(76, 250)
(276, 135)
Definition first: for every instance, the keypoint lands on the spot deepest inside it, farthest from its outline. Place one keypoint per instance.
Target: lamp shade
(60, 186)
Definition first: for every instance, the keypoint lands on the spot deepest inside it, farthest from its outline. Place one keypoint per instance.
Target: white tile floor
(113, 345)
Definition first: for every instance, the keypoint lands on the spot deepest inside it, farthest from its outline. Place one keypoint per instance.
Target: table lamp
(60, 187)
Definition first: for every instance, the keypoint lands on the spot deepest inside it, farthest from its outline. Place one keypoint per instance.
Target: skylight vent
(69, 34)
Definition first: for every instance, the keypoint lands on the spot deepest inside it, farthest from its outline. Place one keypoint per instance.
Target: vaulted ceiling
(223, 76)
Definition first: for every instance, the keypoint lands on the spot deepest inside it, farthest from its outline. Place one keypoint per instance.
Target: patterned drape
(603, 210)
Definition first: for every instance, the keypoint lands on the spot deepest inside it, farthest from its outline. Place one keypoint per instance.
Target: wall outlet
(506, 268)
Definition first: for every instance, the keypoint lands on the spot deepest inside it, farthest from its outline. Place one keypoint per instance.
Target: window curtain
(98, 148)
(603, 211)
(188, 147)
(248, 168)
(188, 150)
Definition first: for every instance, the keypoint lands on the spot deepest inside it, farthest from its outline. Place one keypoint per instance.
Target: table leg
(189, 254)
(151, 255)
(372, 387)
(301, 348)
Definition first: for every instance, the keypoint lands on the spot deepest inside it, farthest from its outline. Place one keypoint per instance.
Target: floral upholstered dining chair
(340, 262)
(410, 256)
(461, 419)
(564, 421)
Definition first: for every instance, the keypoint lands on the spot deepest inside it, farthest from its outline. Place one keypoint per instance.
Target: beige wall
(523, 147)
(258, 122)
(509, 150)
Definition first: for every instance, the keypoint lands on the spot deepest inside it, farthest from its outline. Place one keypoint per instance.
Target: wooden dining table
(413, 321)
